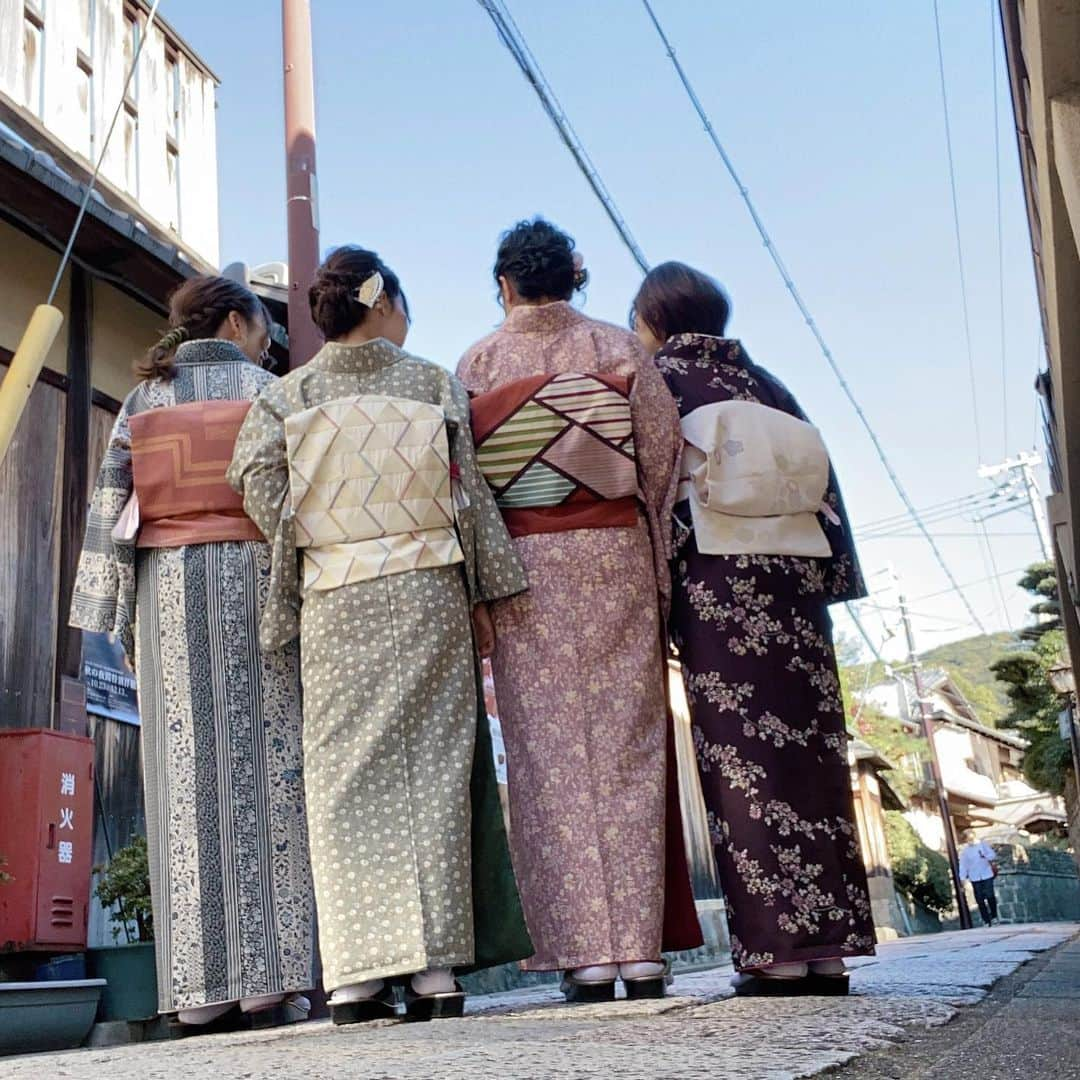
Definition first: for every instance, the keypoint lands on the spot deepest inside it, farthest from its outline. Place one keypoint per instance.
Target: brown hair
(332, 296)
(196, 310)
(677, 299)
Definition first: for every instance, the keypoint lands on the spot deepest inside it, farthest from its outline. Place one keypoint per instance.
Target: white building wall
(137, 159)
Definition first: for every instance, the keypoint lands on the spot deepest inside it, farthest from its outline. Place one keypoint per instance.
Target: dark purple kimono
(755, 642)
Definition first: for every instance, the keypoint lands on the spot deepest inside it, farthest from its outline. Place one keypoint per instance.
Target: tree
(1040, 579)
(1035, 705)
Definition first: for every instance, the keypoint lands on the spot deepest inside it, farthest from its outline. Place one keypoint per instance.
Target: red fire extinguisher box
(46, 834)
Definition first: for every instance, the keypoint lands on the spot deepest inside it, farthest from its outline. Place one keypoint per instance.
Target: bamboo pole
(25, 367)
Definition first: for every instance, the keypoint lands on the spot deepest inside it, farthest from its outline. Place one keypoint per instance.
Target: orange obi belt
(179, 457)
(558, 452)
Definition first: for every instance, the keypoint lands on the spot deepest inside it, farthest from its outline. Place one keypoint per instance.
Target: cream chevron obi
(370, 489)
(756, 479)
(558, 452)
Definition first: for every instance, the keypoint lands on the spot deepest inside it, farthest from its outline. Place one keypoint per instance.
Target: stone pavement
(700, 1031)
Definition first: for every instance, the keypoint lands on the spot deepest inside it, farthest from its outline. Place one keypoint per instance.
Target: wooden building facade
(114, 295)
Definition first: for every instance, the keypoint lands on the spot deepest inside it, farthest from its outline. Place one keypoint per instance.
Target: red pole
(302, 189)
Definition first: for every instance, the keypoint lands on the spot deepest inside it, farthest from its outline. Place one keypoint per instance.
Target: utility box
(46, 835)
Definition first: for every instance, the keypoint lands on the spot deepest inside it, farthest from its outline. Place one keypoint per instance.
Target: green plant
(125, 882)
(919, 872)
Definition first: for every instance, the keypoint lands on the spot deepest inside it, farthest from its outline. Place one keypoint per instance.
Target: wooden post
(76, 480)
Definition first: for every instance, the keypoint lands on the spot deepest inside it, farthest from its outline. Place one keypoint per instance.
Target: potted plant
(128, 967)
(44, 1015)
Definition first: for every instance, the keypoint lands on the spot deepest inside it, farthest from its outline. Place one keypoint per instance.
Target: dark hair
(539, 259)
(196, 310)
(332, 296)
(677, 299)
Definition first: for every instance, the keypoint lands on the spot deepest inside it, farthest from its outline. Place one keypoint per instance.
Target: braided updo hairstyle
(332, 296)
(538, 259)
(196, 311)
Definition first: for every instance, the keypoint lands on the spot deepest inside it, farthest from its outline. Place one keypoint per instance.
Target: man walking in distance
(978, 864)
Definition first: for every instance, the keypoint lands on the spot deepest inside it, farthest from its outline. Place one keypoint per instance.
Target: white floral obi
(756, 479)
(370, 489)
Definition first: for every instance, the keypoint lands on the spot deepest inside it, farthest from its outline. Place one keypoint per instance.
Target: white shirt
(975, 861)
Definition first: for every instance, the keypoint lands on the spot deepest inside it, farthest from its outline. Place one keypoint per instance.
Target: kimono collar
(367, 356)
(210, 351)
(706, 348)
(541, 318)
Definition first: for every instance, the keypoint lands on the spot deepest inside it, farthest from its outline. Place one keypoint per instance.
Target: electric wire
(807, 316)
(995, 24)
(996, 576)
(518, 48)
(959, 242)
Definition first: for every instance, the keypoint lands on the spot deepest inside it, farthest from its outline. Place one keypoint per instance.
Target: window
(33, 88)
(129, 120)
(84, 77)
(172, 137)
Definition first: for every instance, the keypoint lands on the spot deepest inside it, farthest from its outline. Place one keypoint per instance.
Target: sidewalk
(700, 1031)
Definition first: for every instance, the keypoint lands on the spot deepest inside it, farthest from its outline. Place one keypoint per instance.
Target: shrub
(919, 872)
(125, 882)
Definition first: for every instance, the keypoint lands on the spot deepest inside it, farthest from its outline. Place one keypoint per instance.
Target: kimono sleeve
(843, 574)
(492, 566)
(103, 600)
(260, 474)
(658, 446)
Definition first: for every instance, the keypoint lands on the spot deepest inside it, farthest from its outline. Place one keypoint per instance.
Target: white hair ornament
(369, 292)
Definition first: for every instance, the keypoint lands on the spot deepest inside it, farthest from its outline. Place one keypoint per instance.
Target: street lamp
(1063, 680)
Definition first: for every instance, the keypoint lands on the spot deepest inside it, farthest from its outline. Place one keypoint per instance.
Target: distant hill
(968, 662)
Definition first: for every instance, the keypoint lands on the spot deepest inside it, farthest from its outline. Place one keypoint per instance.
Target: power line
(995, 23)
(996, 577)
(959, 243)
(797, 297)
(514, 41)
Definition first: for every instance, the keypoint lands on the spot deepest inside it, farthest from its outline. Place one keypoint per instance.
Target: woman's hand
(483, 630)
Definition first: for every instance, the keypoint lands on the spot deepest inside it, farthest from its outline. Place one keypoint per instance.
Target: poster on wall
(110, 686)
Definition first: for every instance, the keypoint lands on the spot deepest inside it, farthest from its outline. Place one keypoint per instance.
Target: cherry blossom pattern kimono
(580, 678)
(755, 642)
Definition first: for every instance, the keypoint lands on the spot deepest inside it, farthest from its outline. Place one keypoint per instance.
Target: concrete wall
(44, 72)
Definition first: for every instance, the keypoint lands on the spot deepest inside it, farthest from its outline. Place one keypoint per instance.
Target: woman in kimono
(362, 461)
(763, 547)
(579, 439)
(222, 769)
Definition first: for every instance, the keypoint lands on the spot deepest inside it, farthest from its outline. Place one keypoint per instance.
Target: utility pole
(301, 186)
(1024, 464)
(935, 768)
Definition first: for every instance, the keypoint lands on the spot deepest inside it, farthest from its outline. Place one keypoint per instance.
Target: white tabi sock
(434, 981)
(641, 969)
(343, 995)
(596, 973)
(203, 1014)
(262, 1001)
(785, 971)
(833, 966)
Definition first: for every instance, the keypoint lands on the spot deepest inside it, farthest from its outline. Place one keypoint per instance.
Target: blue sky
(430, 143)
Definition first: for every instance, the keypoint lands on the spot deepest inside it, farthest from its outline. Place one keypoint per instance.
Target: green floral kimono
(408, 852)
